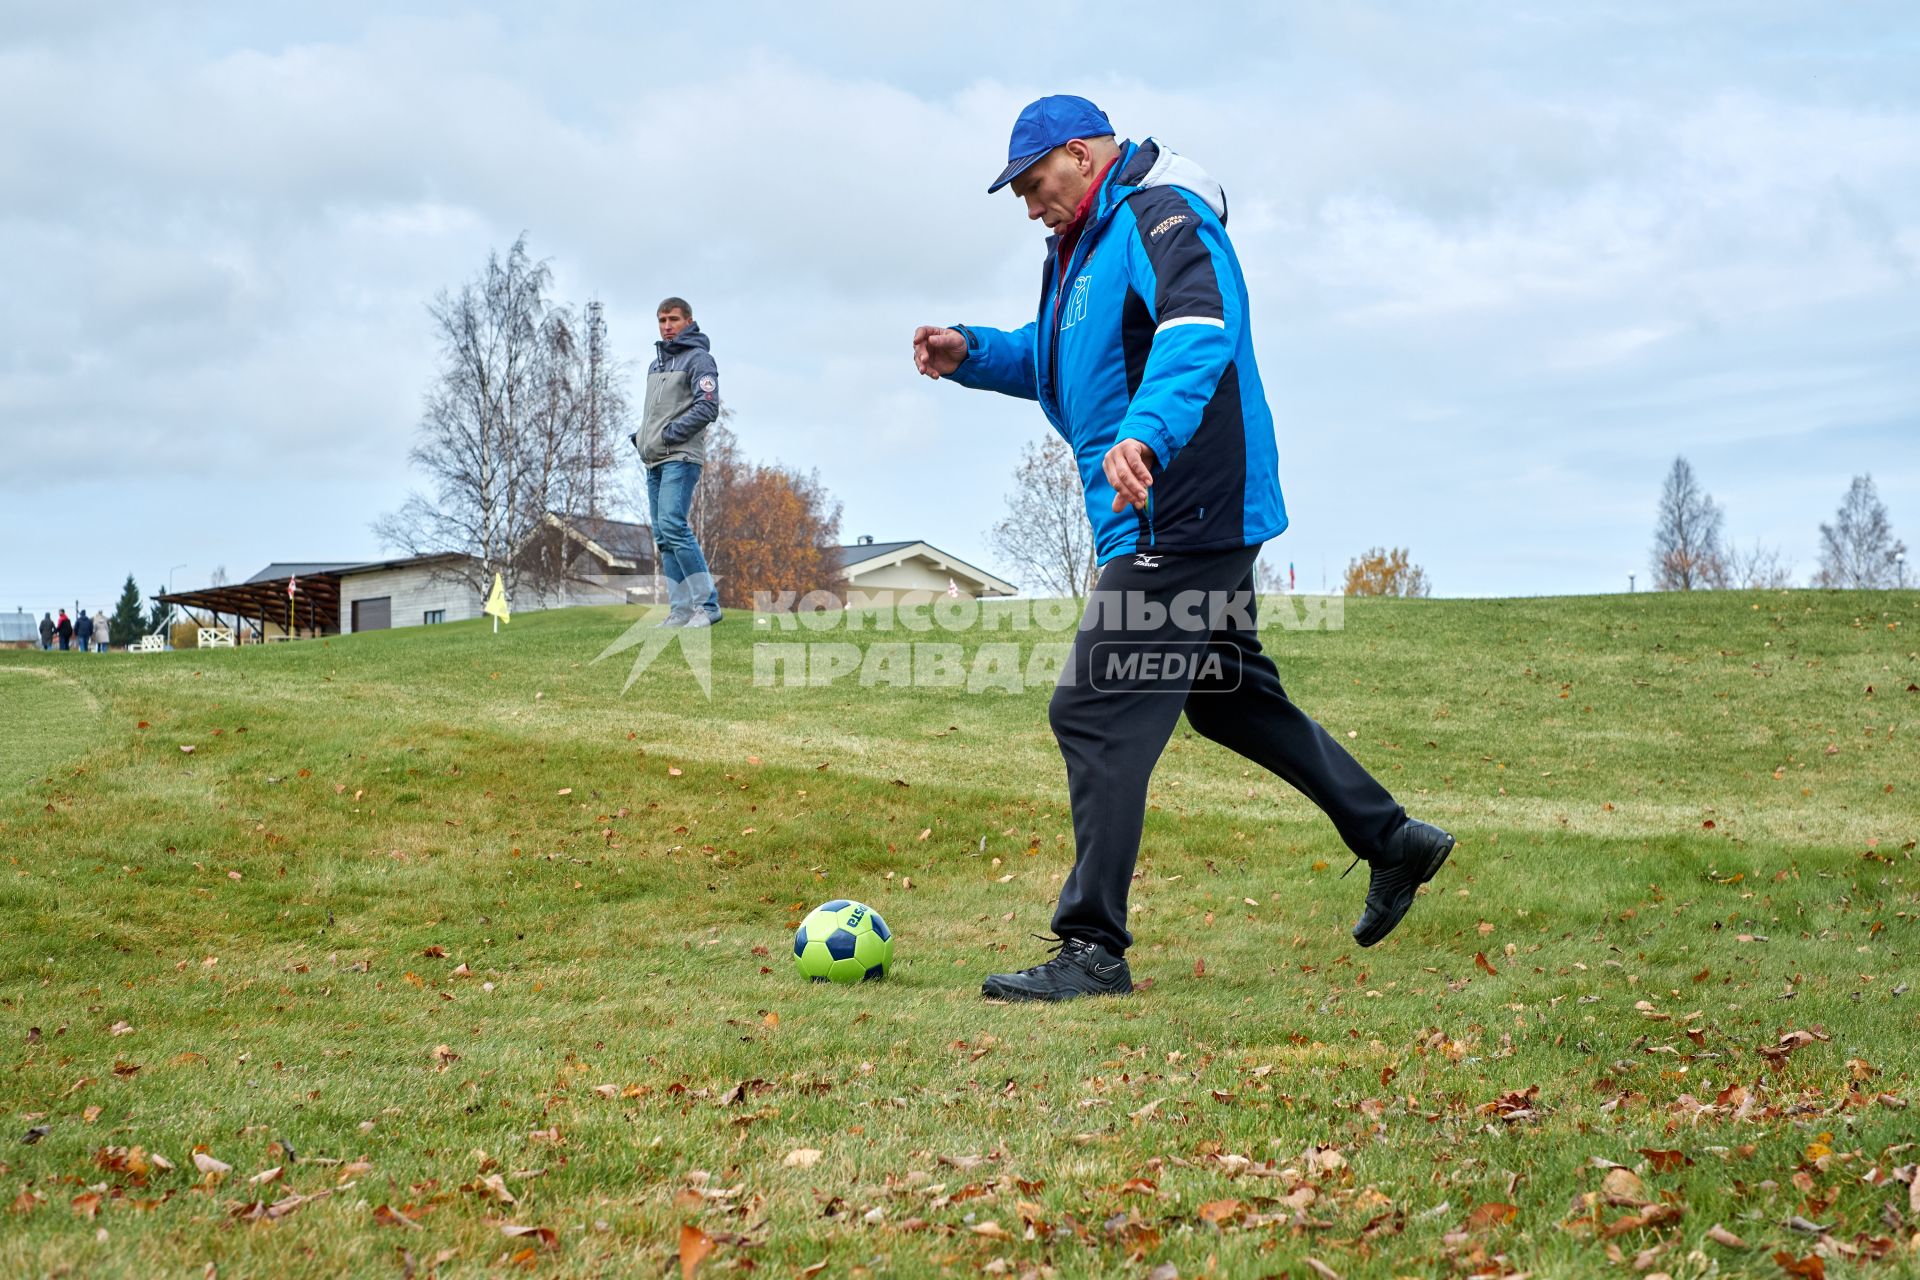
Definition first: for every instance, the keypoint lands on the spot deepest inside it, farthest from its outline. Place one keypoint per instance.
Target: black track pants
(1162, 634)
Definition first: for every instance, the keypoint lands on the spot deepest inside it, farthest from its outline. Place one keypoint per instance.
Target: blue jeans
(689, 584)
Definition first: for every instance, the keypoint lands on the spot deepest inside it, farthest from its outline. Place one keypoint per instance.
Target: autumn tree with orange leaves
(763, 527)
(1386, 572)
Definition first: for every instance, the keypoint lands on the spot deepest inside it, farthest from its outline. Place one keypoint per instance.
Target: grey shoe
(676, 620)
(698, 620)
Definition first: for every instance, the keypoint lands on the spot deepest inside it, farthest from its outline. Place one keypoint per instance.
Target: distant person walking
(83, 631)
(683, 400)
(46, 631)
(102, 632)
(64, 629)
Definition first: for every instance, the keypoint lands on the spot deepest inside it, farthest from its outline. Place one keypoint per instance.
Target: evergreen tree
(129, 622)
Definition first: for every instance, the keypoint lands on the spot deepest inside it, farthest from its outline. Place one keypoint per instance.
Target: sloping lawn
(439, 953)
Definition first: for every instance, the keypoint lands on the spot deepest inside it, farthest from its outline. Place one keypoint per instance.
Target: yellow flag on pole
(497, 601)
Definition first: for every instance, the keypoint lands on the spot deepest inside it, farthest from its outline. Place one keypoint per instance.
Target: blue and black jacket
(1143, 335)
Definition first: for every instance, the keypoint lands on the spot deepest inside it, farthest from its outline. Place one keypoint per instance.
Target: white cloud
(1486, 248)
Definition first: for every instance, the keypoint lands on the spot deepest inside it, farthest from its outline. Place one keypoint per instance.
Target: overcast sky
(1505, 260)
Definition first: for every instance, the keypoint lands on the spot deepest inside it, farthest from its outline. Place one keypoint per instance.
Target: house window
(435, 615)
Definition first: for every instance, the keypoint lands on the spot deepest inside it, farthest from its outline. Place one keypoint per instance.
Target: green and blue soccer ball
(843, 941)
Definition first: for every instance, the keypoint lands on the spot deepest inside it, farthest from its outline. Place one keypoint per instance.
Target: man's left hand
(1129, 470)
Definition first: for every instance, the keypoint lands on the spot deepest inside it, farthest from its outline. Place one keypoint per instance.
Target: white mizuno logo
(1146, 562)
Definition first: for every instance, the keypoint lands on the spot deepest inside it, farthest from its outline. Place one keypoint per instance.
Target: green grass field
(438, 953)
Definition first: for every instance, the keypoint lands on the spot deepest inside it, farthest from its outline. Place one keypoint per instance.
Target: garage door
(373, 615)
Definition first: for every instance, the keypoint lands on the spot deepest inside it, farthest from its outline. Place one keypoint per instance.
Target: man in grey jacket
(683, 399)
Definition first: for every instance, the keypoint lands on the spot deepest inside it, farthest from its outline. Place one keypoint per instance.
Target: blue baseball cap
(1043, 125)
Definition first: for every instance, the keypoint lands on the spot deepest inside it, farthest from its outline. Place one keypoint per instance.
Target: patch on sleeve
(706, 385)
(1165, 225)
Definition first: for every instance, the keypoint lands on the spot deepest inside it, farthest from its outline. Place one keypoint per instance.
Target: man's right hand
(937, 352)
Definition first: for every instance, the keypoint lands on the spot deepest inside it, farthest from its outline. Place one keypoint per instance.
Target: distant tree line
(1691, 553)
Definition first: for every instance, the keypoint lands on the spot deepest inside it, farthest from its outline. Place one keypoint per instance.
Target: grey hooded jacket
(683, 398)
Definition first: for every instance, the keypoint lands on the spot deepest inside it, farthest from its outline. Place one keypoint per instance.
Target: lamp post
(1630, 586)
(181, 565)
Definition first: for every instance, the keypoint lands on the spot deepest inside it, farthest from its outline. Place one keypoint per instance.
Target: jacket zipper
(1068, 272)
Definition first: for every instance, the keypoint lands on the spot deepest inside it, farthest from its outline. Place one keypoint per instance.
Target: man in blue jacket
(1142, 359)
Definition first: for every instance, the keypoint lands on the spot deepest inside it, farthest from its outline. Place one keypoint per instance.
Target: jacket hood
(1151, 165)
(689, 339)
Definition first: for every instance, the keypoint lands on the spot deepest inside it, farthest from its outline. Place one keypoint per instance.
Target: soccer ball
(843, 941)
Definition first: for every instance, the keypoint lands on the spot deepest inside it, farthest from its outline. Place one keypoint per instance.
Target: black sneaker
(1412, 856)
(1079, 968)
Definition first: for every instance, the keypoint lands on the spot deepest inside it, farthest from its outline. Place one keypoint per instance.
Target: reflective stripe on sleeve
(1180, 320)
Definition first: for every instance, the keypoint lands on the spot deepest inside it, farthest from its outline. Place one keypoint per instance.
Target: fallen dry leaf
(388, 1216)
(544, 1235)
(1215, 1212)
(491, 1186)
(87, 1204)
(1491, 1214)
(695, 1245)
(1622, 1187)
(1323, 1159)
(802, 1158)
(1810, 1267)
(206, 1163)
(1789, 1042)
(1721, 1236)
(1665, 1161)
(1481, 962)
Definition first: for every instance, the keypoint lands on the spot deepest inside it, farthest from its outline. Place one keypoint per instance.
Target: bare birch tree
(1687, 555)
(517, 424)
(1758, 566)
(1045, 533)
(1858, 550)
